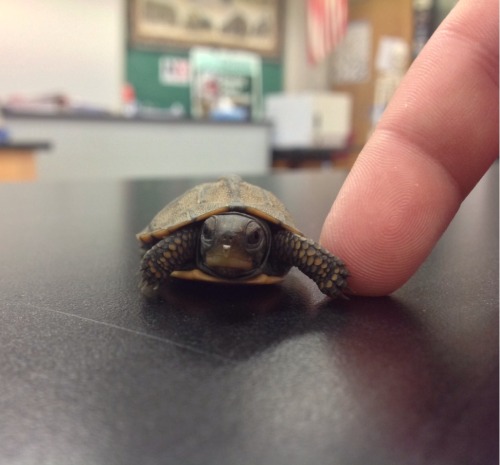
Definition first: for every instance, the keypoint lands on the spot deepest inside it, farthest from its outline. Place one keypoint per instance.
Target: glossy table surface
(92, 373)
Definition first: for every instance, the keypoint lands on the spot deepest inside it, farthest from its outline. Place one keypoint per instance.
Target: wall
(78, 47)
(299, 75)
(291, 74)
(71, 46)
(387, 18)
(142, 73)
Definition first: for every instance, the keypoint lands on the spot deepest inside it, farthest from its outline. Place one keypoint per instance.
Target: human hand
(434, 142)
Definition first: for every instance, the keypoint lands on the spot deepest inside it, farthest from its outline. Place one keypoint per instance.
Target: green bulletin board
(142, 71)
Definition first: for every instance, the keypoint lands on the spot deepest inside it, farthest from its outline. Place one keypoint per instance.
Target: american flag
(326, 26)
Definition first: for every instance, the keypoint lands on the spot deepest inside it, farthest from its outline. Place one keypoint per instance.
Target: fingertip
(436, 139)
(387, 218)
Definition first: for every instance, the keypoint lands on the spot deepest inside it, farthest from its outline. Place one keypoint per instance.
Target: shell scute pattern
(226, 194)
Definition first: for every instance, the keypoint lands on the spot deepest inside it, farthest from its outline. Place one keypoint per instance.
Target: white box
(313, 120)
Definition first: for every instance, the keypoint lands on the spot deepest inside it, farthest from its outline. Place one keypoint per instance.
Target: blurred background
(156, 88)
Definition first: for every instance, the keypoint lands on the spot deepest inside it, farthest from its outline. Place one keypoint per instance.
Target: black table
(91, 373)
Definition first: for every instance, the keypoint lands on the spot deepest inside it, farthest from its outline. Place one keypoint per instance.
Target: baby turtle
(231, 231)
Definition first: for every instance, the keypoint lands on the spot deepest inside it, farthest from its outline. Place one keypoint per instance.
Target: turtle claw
(150, 291)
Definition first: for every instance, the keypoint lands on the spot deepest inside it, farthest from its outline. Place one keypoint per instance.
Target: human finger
(434, 142)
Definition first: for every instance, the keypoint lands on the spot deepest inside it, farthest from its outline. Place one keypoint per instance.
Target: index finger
(435, 140)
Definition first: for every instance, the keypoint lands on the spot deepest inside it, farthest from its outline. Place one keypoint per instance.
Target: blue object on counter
(232, 114)
(4, 136)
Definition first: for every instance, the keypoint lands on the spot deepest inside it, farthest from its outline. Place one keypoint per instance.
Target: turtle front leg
(326, 270)
(168, 255)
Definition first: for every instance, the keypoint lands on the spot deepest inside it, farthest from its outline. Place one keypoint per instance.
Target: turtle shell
(225, 195)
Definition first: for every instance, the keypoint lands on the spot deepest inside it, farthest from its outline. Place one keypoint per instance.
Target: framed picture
(253, 25)
(225, 84)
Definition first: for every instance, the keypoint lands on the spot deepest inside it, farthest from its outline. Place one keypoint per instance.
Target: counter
(90, 146)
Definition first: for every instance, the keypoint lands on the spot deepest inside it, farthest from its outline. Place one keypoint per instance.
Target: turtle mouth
(220, 261)
(229, 267)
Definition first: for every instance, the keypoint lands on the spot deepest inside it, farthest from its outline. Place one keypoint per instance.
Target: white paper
(174, 71)
(351, 61)
(392, 54)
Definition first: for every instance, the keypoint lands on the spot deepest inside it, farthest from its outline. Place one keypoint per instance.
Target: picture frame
(251, 25)
(226, 85)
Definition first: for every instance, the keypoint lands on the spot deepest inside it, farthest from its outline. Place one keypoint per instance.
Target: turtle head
(233, 245)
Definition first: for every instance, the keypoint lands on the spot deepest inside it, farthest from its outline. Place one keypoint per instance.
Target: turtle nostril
(226, 250)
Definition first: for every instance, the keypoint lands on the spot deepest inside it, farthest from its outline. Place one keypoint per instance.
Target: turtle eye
(254, 234)
(208, 230)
